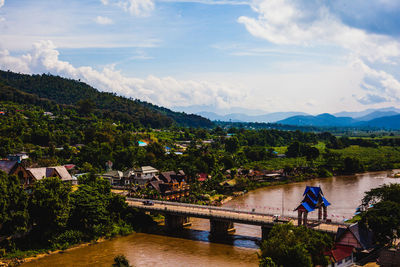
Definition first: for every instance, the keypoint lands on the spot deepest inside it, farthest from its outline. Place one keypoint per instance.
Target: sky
(224, 56)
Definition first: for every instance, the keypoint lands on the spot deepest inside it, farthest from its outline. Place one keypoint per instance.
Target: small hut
(313, 198)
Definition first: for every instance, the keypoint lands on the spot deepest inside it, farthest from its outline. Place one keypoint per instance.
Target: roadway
(220, 213)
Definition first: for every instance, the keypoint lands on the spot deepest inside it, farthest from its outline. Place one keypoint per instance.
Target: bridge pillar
(218, 227)
(264, 232)
(325, 213)
(319, 213)
(175, 222)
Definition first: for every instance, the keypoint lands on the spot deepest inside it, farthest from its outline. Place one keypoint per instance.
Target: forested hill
(71, 92)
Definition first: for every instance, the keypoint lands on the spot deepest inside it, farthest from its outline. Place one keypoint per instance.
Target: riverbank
(11, 262)
(18, 261)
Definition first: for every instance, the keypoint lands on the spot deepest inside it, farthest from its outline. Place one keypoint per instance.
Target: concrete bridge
(222, 219)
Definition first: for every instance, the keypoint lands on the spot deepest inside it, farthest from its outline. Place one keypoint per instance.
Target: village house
(18, 157)
(13, 167)
(115, 177)
(143, 175)
(357, 236)
(351, 243)
(57, 171)
(341, 256)
(28, 176)
(170, 185)
(138, 177)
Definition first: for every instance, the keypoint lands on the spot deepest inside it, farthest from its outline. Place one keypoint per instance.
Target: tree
(267, 262)
(294, 150)
(13, 206)
(50, 204)
(90, 207)
(85, 106)
(311, 153)
(232, 144)
(292, 246)
(120, 261)
(383, 218)
(352, 165)
(384, 193)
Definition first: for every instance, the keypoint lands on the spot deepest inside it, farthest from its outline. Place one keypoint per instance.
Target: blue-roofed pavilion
(313, 198)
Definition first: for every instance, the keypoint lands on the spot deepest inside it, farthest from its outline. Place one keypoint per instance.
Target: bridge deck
(217, 213)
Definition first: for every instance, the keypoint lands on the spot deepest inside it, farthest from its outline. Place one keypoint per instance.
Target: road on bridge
(218, 213)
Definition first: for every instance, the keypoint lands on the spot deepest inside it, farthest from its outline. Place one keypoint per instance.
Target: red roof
(340, 252)
(202, 177)
(69, 166)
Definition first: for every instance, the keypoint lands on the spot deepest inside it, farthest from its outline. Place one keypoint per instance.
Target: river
(192, 247)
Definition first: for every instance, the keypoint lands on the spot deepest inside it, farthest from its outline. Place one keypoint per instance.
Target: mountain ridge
(65, 91)
(326, 120)
(272, 117)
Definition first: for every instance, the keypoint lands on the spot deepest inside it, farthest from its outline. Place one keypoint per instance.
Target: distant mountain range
(386, 119)
(240, 117)
(319, 120)
(360, 114)
(383, 118)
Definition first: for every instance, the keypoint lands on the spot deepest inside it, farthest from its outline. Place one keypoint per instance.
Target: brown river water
(195, 247)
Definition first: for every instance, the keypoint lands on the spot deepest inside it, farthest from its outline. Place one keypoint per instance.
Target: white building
(144, 174)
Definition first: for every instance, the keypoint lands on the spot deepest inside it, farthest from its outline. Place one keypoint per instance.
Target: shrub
(67, 238)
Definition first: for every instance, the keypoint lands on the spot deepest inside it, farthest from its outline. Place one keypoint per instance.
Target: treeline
(53, 216)
(89, 141)
(69, 137)
(70, 92)
(269, 125)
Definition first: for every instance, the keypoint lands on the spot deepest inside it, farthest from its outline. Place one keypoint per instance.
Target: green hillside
(22, 88)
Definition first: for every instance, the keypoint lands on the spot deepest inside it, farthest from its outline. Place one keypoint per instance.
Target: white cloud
(140, 8)
(286, 22)
(2, 19)
(166, 91)
(209, 2)
(381, 82)
(272, 92)
(103, 20)
(289, 23)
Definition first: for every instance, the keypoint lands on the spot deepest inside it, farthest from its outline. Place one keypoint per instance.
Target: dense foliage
(383, 218)
(14, 215)
(61, 91)
(55, 216)
(291, 246)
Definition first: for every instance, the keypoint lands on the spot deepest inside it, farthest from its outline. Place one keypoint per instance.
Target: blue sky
(224, 55)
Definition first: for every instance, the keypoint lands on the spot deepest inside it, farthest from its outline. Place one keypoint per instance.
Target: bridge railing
(168, 203)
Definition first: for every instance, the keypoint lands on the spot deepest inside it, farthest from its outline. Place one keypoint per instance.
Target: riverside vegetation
(56, 215)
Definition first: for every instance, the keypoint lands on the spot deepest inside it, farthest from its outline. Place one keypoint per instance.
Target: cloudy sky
(223, 55)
